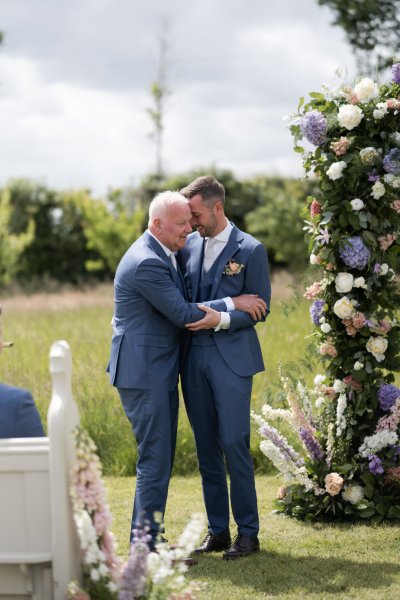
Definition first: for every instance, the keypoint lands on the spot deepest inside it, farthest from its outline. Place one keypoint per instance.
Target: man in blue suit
(150, 314)
(19, 416)
(219, 261)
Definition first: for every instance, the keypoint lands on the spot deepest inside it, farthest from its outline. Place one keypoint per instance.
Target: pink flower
(385, 241)
(313, 291)
(396, 205)
(358, 320)
(330, 392)
(341, 146)
(356, 386)
(328, 349)
(393, 103)
(333, 483)
(315, 208)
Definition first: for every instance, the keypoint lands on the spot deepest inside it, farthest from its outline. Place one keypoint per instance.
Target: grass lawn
(297, 560)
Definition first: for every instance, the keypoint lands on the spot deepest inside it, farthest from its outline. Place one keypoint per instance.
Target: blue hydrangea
(375, 465)
(396, 72)
(316, 311)
(391, 162)
(387, 395)
(313, 126)
(354, 253)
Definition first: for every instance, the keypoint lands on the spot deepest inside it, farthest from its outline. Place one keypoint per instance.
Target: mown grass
(84, 321)
(297, 560)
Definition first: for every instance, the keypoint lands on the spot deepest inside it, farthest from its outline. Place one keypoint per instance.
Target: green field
(83, 319)
(297, 560)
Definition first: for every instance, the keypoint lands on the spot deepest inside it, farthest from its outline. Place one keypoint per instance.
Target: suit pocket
(147, 339)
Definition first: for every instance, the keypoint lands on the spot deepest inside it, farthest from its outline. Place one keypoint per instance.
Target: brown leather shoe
(243, 545)
(214, 542)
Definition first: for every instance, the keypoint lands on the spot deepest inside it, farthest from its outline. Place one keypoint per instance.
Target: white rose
(339, 386)
(344, 282)
(349, 116)
(378, 190)
(357, 204)
(314, 260)
(343, 308)
(335, 171)
(354, 493)
(358, 365)
(377, 346)
(325, 327)
(359, 282)
(384, 269)
(366, 90)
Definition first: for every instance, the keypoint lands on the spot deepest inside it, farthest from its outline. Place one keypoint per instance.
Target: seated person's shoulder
(19, 416)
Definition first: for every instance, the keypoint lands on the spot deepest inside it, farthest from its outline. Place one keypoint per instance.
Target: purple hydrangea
(387, 396)
(312, 444)
(354, 253)
(391, 162)
(375, 465)
(373, 175)
(316, 311)
(396, 72)
(313, 126)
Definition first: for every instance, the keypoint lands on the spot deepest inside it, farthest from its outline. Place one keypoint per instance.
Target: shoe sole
(240, 556)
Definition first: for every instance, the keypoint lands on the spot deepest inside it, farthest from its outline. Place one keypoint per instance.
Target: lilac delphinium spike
(274, 436)
(134, 578)
(375, 465)
(396, 72)
(312, 445)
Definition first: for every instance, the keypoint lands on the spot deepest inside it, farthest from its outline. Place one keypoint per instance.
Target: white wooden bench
(39, 549)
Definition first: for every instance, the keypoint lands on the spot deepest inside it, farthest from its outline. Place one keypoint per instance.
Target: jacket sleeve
(29, 423)
(257, 281)
(153, 281)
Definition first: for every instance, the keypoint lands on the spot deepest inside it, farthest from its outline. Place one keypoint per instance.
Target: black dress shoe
(214, 542)
(243, 545)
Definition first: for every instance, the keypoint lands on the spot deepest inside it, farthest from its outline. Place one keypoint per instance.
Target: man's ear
(157, 224)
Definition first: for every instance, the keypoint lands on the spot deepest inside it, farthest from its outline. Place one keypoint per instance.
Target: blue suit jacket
(150, 312)
(19, 416)
(238, 345)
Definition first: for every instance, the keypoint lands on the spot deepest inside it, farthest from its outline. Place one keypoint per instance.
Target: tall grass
(84, 321)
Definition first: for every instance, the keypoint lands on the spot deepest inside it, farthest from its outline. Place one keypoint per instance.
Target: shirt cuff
(229, 303)
(224, 322)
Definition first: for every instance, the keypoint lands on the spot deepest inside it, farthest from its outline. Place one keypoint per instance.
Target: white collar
(167, 251)
(224, 235)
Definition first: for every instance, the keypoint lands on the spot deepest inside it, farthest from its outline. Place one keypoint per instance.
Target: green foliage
(12, 245)
(369, 25)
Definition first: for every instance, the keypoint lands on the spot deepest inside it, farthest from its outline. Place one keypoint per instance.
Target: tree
(372, 28)
(12, 245)
(159, 92)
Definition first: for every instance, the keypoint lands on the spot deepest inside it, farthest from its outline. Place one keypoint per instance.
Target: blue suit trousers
(153, 415)
(218, 406)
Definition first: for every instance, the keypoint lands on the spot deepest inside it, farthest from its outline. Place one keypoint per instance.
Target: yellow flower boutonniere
(233, 268)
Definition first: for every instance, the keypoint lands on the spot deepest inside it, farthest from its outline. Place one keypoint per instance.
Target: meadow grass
(83, 319)
(297, 560)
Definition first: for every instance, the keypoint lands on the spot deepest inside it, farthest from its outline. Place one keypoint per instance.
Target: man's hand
(210, 321)
(251, 304)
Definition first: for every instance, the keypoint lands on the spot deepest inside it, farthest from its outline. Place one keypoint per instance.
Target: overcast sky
(75, 77)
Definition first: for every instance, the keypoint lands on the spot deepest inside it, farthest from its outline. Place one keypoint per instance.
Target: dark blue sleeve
(28, 423)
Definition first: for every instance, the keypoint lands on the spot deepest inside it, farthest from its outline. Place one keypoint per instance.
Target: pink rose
(333, 483)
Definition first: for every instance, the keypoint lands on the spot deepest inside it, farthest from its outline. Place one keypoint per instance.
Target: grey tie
(173, 260)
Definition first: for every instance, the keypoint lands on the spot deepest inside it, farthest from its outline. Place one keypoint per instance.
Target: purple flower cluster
(387, 396)
(373, 175)
(396, 72)
(313, 126)
(316, 311)
(391, 162)
(375, 465)
(354, 253)
(312, 444)
(280, 442)
(134, 578)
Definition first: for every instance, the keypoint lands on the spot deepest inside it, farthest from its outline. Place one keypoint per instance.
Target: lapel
(155, 246)
(232, 246)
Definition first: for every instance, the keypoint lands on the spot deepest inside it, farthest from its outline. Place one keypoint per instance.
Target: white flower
(384, 269)
(359, 282)
(349, 116)
(94, 575)
(318, 379)
(369, 155)
(325, 327)
(343, 308)
(378, 190)
(357, 204)
(358, 365)
(340, 418)
(354, 493)
(314, 260)
(380, 110)
(395, 138)
(366, 90)
(335, 171)
(344, 282)
(319, 401)
(376, 442)
(339, 386)
(377, 346)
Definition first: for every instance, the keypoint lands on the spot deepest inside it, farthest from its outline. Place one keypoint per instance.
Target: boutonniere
(233, 268)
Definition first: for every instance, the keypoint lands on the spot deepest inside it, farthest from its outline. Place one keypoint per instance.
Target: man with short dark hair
(220, 261)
